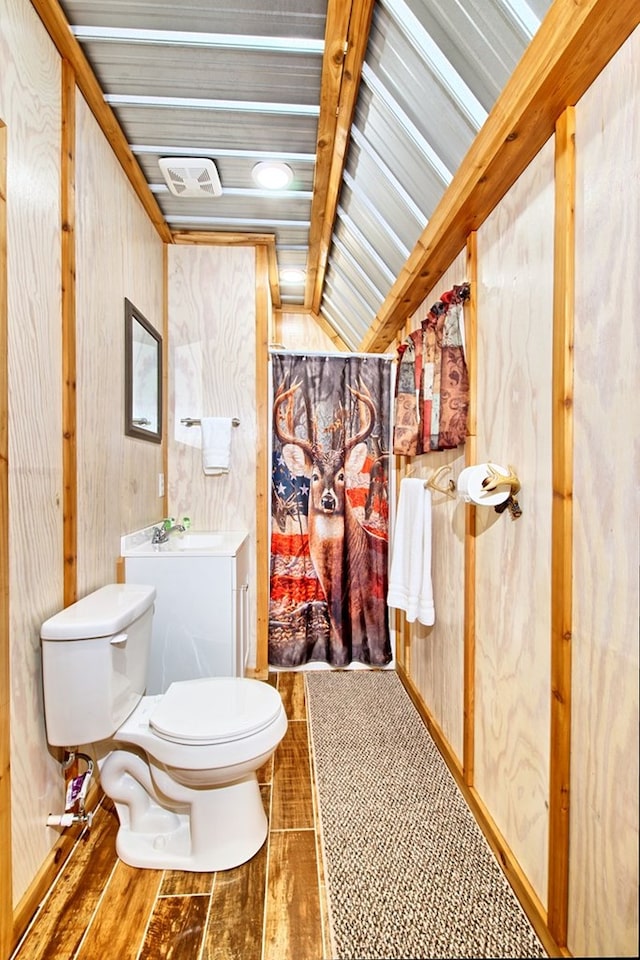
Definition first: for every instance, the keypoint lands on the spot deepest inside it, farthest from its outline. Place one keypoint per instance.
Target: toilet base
(203, 830)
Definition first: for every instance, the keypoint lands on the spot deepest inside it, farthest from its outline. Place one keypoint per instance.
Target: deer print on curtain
(330, 509)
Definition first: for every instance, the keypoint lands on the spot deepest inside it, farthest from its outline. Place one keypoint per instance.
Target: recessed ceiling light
(292, 275)
(272, 175)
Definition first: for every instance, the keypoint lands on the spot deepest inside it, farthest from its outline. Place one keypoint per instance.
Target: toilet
(180, 766)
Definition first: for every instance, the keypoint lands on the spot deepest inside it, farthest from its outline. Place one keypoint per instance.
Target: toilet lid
(215, 710)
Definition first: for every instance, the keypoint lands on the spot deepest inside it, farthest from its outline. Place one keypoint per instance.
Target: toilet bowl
(181, 767)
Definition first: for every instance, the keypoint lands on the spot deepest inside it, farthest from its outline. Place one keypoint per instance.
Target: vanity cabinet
(201, 614)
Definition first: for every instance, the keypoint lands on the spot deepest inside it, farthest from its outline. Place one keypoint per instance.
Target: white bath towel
(410, 587)
(216, 444)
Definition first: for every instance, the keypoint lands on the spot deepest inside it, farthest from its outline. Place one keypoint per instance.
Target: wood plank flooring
(271, 908)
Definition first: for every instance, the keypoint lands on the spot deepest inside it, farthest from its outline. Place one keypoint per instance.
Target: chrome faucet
(161, 534)
(175, 528)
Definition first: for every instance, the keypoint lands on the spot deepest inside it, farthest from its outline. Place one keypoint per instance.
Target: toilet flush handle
(119, 640)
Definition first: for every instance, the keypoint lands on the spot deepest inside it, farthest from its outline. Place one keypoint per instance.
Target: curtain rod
(320, 353)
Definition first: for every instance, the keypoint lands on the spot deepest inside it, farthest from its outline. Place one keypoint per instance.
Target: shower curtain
(329, 510)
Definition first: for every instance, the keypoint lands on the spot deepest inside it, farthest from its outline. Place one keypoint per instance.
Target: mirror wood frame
(132, 427)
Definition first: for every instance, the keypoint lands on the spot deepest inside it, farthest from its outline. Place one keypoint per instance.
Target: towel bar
(190, 422)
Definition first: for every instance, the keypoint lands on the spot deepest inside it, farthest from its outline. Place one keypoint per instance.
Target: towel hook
(433, 482)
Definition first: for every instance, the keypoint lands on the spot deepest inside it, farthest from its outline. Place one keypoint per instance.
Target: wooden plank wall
(212, 372)
(512, 585)
(434, 657)
(80, 241)
(30, 106)
(117, 256)
(6, 883)
(603, 887)
(548, 606)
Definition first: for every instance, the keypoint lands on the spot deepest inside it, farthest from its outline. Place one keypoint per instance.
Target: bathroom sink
(196, 540)
(190, 543)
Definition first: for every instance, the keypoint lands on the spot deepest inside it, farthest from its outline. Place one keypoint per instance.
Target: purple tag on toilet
(74, 790)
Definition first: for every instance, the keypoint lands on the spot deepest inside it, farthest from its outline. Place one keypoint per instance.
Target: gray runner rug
(409, 872)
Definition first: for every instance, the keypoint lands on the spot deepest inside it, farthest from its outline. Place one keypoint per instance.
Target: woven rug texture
(409, 872)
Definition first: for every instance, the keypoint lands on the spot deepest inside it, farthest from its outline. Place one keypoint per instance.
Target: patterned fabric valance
(432, 386)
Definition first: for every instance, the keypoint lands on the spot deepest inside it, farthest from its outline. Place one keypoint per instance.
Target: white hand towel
(426, 608)
(410, 587)
(216, 444)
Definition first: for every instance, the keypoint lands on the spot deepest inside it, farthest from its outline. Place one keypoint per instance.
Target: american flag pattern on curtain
(329, 510)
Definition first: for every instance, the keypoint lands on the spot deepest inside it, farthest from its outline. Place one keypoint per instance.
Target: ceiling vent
(191, 177)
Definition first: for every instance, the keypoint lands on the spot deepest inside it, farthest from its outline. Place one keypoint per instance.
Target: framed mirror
(142, 377)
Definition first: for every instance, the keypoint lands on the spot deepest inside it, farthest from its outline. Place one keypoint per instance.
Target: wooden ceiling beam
(219, 238)
(346, 37)
(574, 43)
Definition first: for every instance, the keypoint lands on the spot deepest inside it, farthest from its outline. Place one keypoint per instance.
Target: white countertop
(212, 543)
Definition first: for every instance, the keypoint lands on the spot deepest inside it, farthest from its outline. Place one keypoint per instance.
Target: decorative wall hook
(433, 483)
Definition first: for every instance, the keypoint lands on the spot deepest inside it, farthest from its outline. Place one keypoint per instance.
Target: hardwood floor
(271, 908)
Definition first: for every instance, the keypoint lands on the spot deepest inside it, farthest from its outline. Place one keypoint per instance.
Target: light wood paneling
(118, 255)
(212, 364)
(264, 241)
(512, 608)
(436, 653)
(30, 105)
(6, 883)
(301, 331)
(603, 916)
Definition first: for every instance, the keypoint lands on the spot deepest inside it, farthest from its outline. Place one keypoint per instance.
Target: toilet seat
(215, 710)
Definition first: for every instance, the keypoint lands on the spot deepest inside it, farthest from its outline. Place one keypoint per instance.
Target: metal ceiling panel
(413, 79)
(289, 18)
(347, 305)
(131, 68)
(482, 40)
(207, 129)
(376, 270)
(237, 208)
(432, 71)
(241, 81)
(345, 265)
(369, 219)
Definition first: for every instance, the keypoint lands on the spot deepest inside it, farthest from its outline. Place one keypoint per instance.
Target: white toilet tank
(94, 662)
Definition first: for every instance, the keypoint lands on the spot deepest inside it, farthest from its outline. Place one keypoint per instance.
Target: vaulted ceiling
(376, 108)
